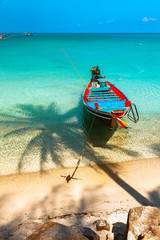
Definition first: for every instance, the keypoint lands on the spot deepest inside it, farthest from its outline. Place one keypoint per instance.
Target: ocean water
(43, 123)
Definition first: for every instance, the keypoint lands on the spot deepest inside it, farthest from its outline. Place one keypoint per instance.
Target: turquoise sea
(42, 121)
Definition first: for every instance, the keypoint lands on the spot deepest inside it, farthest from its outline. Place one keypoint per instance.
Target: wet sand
(98, 191)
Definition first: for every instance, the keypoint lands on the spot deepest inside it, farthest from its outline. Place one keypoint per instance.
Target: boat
(104, 100)
(1, 36)
(28, 34)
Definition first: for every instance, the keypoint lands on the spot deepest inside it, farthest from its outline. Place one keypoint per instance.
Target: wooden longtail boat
(1, 36)
(104, 100)
(28, 34)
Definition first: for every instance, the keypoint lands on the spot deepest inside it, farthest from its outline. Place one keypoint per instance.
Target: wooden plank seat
(108, 105)
(99, 89)
(105, 100)
(101, 99)
(102, 93)
(101, 96)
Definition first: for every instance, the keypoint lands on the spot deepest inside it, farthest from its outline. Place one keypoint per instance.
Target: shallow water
(42, 120)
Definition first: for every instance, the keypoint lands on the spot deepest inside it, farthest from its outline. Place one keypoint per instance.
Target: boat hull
(99, 114)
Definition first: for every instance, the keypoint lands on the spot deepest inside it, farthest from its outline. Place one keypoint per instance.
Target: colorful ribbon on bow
(120, 122)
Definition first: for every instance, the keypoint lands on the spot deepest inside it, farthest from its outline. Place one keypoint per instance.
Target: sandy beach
(97, 192)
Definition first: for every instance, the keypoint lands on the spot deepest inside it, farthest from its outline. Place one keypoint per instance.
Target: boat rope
(73, 66)
(68, 178)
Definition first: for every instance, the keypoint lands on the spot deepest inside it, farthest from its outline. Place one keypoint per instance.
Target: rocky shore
(139, 223)
(97, 205)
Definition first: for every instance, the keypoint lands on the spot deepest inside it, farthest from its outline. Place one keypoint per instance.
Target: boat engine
(95, 71)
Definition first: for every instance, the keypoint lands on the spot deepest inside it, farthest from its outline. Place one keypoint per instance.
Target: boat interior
(106, 95)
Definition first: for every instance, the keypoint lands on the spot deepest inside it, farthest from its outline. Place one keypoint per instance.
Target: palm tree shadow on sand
(112, 169)
(52, 128)
(48, 122)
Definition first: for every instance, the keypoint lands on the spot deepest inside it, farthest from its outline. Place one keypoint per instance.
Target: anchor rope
(68, 178)
(73, 66)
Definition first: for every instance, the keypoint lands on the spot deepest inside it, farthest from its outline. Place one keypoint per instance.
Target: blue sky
(80, 16)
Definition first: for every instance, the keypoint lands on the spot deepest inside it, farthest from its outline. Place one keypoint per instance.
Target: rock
(154, 234)
(150, 237)
(87, 232)
(55, 231)
(102, 225)
(22, 231)
(119, 230)
(39, 231)
(155, 230)
(143, 223)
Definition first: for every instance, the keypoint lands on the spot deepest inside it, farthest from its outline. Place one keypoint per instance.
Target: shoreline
(100, 190)
(31, 147)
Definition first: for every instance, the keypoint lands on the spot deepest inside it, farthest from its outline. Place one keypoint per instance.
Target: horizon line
(86, 32)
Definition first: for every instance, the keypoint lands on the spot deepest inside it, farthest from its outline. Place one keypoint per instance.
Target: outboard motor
(95, 71)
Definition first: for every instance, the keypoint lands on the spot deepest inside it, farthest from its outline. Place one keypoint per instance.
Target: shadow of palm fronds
(51, 128)
(156, 149)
